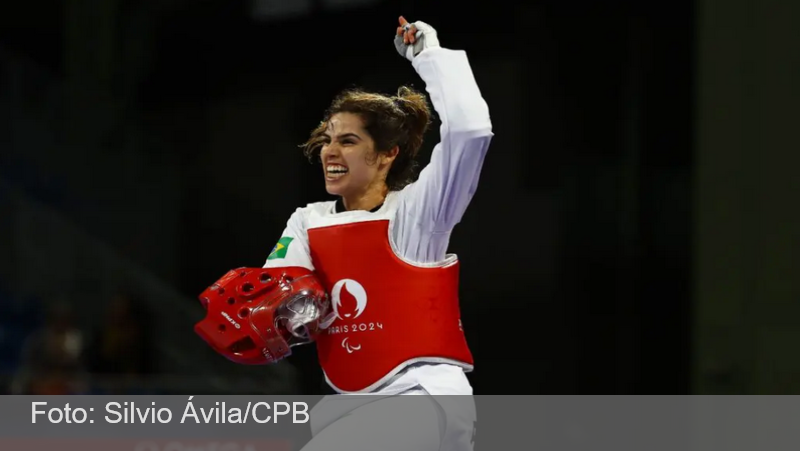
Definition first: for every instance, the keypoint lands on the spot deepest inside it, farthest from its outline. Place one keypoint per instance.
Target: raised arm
(446, 186)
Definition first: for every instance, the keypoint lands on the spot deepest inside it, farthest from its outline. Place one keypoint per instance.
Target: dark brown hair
(399, 120)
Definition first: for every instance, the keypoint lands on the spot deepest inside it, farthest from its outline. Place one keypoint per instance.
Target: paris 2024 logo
(349, 303)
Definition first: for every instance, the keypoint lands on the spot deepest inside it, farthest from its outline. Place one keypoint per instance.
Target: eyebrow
(345, 135)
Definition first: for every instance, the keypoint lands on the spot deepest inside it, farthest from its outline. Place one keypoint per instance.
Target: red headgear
(254, 316)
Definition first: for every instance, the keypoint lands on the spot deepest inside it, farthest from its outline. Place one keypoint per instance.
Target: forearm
(454, 92)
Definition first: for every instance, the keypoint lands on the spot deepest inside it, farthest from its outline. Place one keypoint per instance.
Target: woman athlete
(379, 251)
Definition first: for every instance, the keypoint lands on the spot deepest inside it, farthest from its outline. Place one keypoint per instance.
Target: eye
(348, 142)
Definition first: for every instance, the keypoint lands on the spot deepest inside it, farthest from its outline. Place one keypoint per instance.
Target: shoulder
(322, 207)
(402, 192)
(403, 195)
(315, 208)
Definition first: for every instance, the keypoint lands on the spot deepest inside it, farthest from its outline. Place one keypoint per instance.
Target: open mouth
(335, 171)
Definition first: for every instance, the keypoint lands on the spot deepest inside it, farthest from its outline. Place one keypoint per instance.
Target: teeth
(336, 169)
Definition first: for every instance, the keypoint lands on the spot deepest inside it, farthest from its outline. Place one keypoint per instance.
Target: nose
(330, 150)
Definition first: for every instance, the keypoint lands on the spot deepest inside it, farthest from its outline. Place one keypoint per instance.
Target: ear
(388, 157)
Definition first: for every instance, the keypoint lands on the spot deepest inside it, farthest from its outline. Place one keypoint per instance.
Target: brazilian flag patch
(279, 251)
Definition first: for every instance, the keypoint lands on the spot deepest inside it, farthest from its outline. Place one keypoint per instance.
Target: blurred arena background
(636, 229)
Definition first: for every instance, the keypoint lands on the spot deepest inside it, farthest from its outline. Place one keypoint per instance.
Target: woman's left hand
(412, 38)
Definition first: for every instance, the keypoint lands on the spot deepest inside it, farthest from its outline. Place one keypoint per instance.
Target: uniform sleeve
(438, 199)
(292, 248)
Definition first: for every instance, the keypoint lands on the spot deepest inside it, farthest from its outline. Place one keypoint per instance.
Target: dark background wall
(147, 147)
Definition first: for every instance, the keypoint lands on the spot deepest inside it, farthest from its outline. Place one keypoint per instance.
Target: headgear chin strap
(254, 316)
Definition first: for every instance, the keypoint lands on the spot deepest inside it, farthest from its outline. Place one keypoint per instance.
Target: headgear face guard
(254, 316)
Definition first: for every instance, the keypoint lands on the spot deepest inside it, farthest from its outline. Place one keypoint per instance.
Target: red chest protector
(389, 313)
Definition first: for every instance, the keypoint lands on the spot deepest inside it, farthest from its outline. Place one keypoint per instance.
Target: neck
(369, 199)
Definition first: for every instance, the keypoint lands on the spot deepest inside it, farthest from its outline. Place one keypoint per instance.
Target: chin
(333, 189)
